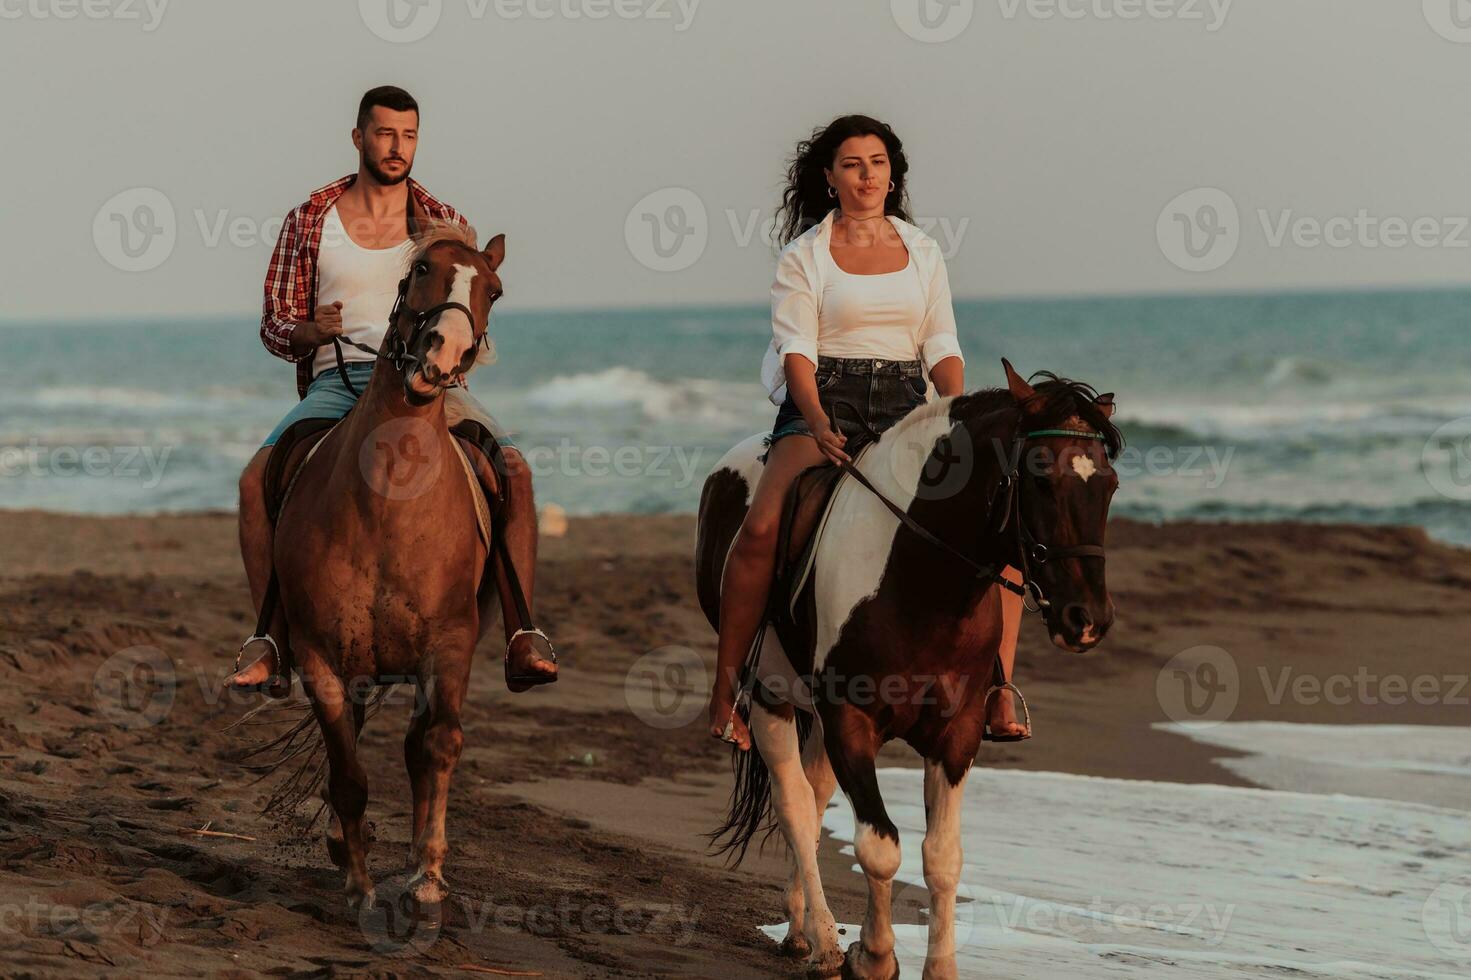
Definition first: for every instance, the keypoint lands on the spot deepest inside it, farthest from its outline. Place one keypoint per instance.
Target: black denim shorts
(884, 391)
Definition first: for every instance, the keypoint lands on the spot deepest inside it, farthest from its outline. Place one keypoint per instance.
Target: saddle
(477, 455)
(804, 513)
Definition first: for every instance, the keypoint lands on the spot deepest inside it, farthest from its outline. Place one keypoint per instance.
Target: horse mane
(436, 230)
(1056, 401)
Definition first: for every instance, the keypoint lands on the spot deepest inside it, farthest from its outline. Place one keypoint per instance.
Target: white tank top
(365, 280)
(870, 316)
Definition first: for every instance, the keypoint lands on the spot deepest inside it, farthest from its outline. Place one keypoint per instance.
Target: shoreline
(564, 798)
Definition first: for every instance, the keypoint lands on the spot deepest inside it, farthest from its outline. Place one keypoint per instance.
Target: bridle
(396, 349)
(1028, 546)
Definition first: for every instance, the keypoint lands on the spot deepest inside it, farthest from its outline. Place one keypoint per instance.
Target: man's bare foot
(1002, 718)
(260, 676)
(530, 662)
(723, 714)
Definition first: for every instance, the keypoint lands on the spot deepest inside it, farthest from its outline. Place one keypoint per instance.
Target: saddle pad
(803, 570)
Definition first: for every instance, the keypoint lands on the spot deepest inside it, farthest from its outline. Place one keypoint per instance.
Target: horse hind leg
(438, 753)
(819, 774)
(794, 801)
(347, 783)
(853, 745)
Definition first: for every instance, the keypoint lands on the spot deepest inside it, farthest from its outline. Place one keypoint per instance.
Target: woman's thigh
(788, 457)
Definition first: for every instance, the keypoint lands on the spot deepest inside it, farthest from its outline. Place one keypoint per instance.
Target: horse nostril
(1075, 616)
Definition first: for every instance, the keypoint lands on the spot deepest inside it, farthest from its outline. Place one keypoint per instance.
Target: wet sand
(575, 825)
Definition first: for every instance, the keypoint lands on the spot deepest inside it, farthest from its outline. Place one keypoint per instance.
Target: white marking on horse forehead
(459, 290)
(1084, 466)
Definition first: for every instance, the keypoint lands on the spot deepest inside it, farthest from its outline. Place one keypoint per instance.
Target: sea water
(1074, 876)
(1344, 407)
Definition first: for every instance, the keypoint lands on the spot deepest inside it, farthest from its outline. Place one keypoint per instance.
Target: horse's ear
(1020, 390)
(495, 252)
(1105, 404)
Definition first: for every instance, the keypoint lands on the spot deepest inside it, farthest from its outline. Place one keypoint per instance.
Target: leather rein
(1028, 545)
(395, 349)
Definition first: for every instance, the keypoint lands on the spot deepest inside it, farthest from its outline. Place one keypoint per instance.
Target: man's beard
(386, 179)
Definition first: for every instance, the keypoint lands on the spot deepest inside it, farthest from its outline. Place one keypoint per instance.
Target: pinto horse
(377, 558)
(896, 631)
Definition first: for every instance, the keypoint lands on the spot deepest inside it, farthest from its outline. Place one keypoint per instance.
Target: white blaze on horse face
(1084, 466)
(456, 333)
(860, 531)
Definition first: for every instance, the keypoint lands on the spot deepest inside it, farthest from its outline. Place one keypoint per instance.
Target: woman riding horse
(859, 310)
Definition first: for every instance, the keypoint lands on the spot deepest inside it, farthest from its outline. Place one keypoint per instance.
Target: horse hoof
(796, 947)
(830, 965)
(860, 964)
(428, 889)
(358, 900)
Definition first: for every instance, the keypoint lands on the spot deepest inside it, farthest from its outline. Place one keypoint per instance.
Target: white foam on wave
(697, 399)
(1075, 876)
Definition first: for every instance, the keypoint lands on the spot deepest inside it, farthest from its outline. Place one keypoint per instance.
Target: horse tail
(301, 742)
(750, 811)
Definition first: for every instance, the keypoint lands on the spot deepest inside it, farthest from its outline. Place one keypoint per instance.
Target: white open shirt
(817, 308)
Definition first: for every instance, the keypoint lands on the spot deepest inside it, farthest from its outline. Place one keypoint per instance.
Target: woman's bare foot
(1001, 717)
(723, 713)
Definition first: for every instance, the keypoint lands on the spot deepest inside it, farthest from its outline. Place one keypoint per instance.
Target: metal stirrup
(258, 638)
(530, 632)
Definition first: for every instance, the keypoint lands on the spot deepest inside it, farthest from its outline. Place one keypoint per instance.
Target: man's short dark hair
(389, 97)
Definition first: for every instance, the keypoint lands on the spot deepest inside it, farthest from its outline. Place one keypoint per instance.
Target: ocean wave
(210, 397)
(615, 388)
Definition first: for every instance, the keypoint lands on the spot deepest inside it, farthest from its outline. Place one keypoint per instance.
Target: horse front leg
(819, 773)
(943, 860)
(853, 743)
(418, 768)
(438, 753)
(792, 799)
(347, 782)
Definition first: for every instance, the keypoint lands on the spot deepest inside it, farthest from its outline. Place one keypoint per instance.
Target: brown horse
(896, 631)
(379, 561)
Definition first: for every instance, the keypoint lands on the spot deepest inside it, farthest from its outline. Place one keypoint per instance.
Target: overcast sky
(1048, 139)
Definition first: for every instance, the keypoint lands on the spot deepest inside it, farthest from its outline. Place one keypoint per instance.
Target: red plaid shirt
(291, 278)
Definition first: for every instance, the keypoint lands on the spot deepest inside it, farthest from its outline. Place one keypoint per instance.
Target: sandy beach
(576, 819)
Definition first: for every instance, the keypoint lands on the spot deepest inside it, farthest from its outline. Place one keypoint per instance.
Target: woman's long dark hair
(805, 202)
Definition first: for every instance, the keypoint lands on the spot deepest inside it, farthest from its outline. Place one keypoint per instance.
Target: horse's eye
(496, 294)
(421, 267)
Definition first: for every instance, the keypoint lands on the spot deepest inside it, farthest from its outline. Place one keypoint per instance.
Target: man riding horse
(330, 286)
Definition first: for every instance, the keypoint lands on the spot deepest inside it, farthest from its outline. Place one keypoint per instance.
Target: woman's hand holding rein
(801, 375)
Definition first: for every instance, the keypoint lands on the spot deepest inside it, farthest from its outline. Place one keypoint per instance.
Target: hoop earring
(891, 187)
(832, 191)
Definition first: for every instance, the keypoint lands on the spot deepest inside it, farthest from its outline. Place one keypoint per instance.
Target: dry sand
(574, 826)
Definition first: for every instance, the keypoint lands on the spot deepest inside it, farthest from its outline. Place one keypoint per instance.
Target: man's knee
(518, 476)
(253, 480)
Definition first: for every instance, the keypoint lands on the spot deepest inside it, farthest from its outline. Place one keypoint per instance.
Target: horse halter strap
(396, 349)
(1027, 544)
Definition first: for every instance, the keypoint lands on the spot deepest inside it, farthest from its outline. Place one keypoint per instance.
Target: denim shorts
(328, 398)
(883, 391)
